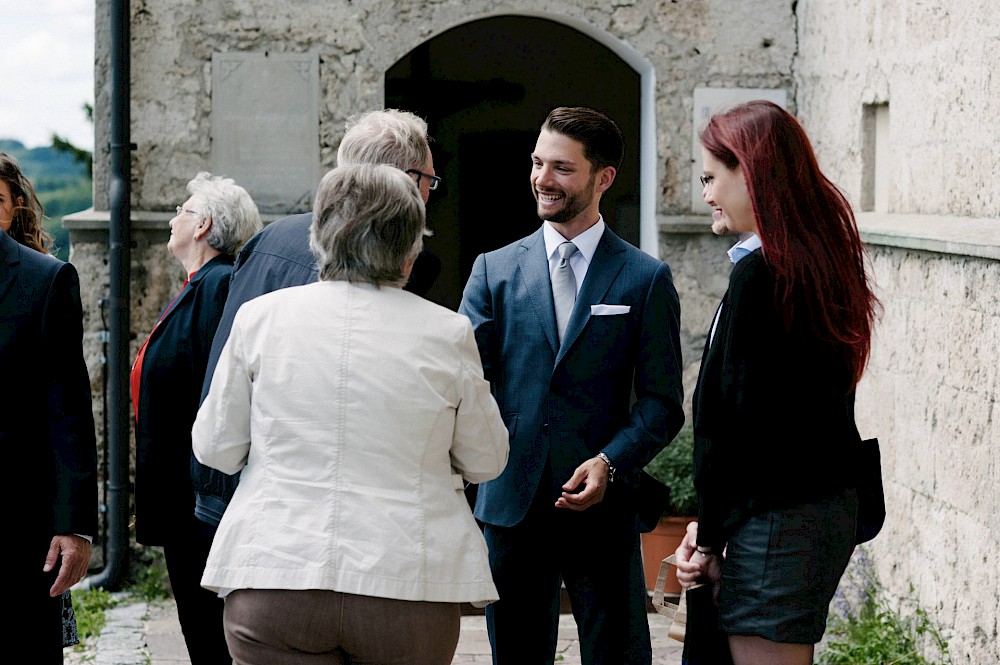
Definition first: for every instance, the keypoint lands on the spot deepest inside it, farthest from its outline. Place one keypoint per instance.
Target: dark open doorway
(484, 88)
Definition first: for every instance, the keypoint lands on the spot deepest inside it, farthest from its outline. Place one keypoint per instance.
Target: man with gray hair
(279, 257)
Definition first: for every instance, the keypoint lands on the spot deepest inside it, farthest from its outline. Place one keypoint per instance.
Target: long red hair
(807, 229)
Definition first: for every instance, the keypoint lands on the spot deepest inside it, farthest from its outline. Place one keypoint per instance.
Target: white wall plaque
(265, 126)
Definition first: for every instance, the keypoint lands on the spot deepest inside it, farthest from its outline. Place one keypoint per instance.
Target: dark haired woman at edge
(21, 212)
(775, 438)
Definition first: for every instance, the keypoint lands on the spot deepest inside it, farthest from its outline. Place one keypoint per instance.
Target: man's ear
(605, 178)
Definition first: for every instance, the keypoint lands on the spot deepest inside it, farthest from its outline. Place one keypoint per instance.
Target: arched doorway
(485, 87)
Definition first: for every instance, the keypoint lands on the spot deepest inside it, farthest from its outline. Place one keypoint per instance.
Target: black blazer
(773, 409)
(169, 394)
(46, 423)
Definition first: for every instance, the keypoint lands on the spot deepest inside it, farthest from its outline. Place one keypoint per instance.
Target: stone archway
(485, 88)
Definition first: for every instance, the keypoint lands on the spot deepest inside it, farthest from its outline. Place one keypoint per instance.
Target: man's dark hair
(602, 141)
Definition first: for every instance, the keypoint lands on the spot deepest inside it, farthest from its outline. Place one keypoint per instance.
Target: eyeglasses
(181, 209)
(434, 180)
(705, 179)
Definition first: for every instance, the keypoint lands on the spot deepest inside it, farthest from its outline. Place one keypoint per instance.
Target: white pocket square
(609, 310)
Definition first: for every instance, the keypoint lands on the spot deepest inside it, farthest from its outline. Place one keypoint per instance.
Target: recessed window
(875, 155)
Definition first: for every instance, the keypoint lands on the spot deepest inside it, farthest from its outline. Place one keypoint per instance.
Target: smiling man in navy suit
(581, 346)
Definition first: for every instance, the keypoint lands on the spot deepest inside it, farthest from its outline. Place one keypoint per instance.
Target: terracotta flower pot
(657, 545)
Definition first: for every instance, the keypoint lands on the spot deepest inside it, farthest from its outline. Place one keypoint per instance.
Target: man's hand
(74, 553)
(593, 475)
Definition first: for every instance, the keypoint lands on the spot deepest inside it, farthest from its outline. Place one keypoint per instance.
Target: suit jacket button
(545, 428)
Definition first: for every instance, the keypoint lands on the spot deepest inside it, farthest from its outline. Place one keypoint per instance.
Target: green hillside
(63, 186)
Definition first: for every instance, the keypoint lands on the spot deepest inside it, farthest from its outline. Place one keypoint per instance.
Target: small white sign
(265, 126)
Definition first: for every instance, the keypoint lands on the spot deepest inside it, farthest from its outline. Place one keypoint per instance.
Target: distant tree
(81, 156)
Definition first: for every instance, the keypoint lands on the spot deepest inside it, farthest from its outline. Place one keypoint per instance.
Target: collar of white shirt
(586, 242)
(747, 244)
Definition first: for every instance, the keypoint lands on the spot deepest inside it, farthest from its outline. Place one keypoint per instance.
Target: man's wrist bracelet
(611, 467)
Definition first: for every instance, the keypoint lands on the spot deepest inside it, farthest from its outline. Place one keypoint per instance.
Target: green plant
(89, 606)
(672, 466)
(864, 627)
(148, 576)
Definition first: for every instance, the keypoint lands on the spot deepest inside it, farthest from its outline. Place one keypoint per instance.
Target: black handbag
(871, 496)
(694, 621)
(704, 641)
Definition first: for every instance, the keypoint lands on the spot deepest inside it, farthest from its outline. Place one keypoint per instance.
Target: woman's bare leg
(758, 651)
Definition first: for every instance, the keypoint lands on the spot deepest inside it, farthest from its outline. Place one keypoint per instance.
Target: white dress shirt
(586, 244)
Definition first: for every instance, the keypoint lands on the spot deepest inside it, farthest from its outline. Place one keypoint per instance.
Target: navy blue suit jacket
(614, 386)
(276, 257)
(46, 423)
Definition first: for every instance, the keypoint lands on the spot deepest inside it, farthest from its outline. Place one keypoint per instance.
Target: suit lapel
(534, 265)
(609, 258)
(186, 292)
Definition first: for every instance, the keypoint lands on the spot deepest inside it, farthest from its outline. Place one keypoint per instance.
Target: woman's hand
(694, 567)
(689, 569)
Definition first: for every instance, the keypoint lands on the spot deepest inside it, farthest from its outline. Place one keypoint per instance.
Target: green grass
(865, 627)
(148, 576)
(89, 606)
(146, 582)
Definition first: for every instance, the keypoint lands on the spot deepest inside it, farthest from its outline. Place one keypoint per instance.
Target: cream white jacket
(355, 414)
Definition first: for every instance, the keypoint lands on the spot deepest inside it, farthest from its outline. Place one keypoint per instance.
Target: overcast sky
(47, 71)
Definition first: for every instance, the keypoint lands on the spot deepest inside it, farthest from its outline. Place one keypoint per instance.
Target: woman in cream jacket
(356, 412)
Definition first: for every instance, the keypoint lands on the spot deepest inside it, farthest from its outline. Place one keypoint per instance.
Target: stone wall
(688, 44)
(930, 393)
(934, 64)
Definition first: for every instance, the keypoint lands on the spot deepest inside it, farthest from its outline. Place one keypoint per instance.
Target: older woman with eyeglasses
(208, 230)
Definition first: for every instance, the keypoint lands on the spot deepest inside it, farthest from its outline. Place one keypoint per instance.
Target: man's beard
(572, 206)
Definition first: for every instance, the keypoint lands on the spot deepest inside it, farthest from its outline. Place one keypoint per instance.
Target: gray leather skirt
(782, 568)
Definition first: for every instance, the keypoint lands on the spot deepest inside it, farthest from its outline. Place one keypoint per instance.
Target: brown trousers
(313, 627)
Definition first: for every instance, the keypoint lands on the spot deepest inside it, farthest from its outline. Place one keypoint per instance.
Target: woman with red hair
(775, 439)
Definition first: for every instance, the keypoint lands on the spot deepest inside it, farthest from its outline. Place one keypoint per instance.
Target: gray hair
(234, 214)
(368, 222)
(394, 137)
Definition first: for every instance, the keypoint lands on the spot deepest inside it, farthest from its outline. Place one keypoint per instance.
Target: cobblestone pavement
(148, 634)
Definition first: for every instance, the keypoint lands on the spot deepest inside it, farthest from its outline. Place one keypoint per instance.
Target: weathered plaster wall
(930, 394)
(935, 64)
(700, 268)
(688, 44)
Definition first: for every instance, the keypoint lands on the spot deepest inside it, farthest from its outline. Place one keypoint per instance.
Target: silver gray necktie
(564, 287)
